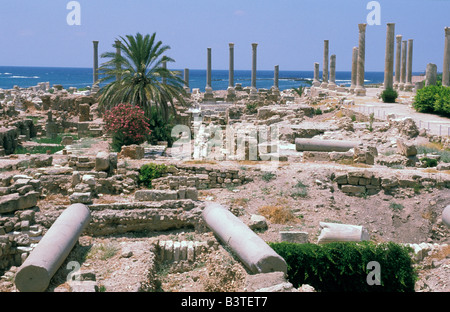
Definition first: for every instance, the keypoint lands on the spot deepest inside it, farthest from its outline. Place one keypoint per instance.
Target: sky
(289, 33)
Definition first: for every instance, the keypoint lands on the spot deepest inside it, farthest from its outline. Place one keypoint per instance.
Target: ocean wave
(25, 77)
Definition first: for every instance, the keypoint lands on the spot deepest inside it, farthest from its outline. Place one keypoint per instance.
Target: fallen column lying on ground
(446, 216)
(324, 145)
(35, 273)
(253, 251)
(335, 232)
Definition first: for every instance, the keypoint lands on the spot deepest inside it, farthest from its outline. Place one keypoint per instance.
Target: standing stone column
(332, 84)
(118, 53)
(446, 67)
(253, 89)
(389, 57)
(354, 69)
(398, 60)
(95, 71)
(360, 89)
(186, 80)
(230, 91)
(208, 89)
(326, 45)
(431, 75)
(316, 82)
(401, 85)
(164, 65)
(409, 86)
(276, 73)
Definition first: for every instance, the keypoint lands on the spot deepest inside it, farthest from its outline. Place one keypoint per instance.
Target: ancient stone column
(35, 273)
(253, 88)
(354, 69)
(186, 80)
(398, 60)
(360, 89)
(276, 72)
(389, 57)
(231, 94)
(409, 85)
(95, 71)
(118, 53)
(446, 67)
(316, 82)
(431, 75)
(164, 65)
(332, 83)
(401, 85)
(231, 69)
(253, 251)
(326, 44)
(208, 88)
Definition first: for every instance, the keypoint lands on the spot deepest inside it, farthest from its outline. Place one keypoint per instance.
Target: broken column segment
(317, 145)
(36, 272)
(335, 232)
(253, 251)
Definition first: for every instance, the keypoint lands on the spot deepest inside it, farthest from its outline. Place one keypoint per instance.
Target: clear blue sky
(289, 33)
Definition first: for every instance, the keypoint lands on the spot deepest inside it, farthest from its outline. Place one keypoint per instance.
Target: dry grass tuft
(277, 214)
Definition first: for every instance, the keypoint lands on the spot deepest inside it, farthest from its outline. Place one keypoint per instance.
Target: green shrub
(396, 207)
(389, 95)
(344, 266)
(268, 176)
(442, 104)
(318, 111)
(429, 162)
(161, 129)
(151, 171)
(433, 99)
(251, 107)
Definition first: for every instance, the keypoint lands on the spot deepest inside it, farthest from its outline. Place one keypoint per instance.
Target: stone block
(353, 189)
(102, 161)
(405, 148)
(294, 237)
(156, 195)
(191, 193)
(82, 198)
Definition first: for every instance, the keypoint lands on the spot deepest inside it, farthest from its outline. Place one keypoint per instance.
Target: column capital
(447, 31)
(362, 27)
(254, 45)
(399, 38)
(95, 42)
(231, 44)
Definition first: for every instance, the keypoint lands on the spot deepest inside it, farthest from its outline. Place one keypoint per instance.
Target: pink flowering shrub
(127, 124)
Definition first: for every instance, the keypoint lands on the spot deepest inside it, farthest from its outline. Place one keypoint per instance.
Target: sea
(25, 77)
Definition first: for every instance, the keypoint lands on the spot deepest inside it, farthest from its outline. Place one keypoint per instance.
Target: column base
(408, 87)
(359, 91)
(324, 85)
(316, 83)
(332, 86)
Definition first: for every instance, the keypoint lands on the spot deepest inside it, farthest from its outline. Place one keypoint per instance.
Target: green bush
(161, 129)
(429, 162)
(151, 171)
(389, 95)
(344, 266)
(433, 99)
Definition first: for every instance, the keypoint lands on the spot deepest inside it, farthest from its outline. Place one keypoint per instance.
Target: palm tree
(136, 75)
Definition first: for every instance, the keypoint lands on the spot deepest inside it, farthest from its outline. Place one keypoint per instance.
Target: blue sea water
(25, 77)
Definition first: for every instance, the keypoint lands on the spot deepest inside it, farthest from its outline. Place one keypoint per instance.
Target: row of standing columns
(402, 80)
